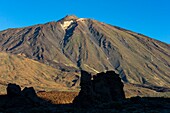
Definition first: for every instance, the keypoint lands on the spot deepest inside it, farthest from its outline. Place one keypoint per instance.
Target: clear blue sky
(149, 17)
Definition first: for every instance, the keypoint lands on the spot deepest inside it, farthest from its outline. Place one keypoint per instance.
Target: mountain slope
(30, 73)
(75, 43)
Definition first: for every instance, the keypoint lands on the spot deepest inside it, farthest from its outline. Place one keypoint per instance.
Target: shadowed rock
(29, 92)
(109, 85)
(13, 90)
(103, 88)
(97, 102)
(27, 95)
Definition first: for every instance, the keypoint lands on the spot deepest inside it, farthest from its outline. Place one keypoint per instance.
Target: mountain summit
(69, 17)
(72, 43)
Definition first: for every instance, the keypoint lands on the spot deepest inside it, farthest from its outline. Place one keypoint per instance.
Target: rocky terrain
(99, 89)
(91, 99)
(49, 56)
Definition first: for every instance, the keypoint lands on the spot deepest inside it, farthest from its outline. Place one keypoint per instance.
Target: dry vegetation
(58, 97)
(66, 97)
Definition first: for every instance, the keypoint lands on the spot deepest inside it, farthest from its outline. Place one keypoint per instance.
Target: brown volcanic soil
(81, 44)
(139, 59)
(28, 73)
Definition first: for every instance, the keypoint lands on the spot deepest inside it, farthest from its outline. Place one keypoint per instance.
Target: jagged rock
(103, 88)
(27, 95)
(29, 92)
(13, 90)
(86, 94)
(24, 101)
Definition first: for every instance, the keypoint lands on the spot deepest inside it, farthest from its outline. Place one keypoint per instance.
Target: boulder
(103, 88)
(86, 93)
(25, 97)
(29, 92)
(13, 90)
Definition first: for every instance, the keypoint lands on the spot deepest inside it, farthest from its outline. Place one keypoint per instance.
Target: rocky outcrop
(13, 90)
(27, 95)
(23, 101)
(101, 88)
(29, 92)
(94, 91)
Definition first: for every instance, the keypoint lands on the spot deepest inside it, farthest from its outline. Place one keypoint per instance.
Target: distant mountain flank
(28, 73)
(73, 43)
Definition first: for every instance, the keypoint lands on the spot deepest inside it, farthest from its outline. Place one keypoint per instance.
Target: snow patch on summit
(66, 24)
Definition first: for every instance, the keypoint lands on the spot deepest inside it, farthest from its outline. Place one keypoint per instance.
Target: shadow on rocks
(21, 101)
(100, 93)
(99, 89)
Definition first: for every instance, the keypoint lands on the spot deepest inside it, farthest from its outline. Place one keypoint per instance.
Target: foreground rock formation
(98, 89)
(102, 94)
(17, 99)
(13, 90)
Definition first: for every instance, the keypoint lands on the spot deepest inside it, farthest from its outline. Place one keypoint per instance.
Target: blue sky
(149, 17)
